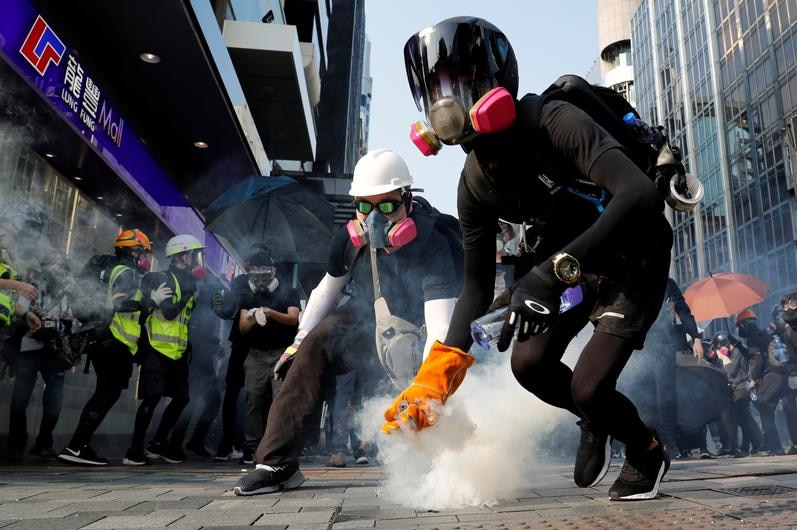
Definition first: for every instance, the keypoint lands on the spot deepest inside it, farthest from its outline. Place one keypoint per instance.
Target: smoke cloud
(488, 440)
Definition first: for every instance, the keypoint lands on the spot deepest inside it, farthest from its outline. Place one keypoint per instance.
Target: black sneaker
(84, 457)
(361, 457)
(705, 455)
(267, 479)
(136, 458)
(45, 453)
(593, 457)
(246, 460)
(641, 474)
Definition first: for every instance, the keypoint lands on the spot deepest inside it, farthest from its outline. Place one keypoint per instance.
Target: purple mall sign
(35, 51)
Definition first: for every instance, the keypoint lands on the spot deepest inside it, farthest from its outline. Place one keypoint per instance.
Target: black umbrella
(702, 390)
(295, 222)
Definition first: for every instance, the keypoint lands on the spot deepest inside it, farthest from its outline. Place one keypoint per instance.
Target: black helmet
(460, 58)
(719, 340)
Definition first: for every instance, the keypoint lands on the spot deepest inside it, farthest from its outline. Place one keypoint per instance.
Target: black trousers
(113, 366)
(341, 342)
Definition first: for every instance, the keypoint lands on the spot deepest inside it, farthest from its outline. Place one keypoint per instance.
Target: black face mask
(790, 317)
(743, 331)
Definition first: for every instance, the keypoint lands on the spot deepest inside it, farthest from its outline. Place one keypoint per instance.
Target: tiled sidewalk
(743, 493)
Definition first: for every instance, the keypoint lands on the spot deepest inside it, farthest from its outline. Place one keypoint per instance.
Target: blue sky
(550, 38)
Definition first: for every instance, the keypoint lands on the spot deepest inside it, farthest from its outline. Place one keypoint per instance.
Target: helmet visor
(456, 58)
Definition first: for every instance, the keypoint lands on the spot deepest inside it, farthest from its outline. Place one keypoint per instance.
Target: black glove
(217, 300)
(533, 307)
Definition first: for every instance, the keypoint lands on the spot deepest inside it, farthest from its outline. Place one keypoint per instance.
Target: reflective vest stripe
(7, 305)
(125, 326)
(170, 337)
(6, 309)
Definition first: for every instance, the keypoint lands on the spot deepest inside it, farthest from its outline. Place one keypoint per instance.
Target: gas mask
(197, 259)
(790, 317)
(141, 260)
(262, 278)
(381, 232)
(452, 123)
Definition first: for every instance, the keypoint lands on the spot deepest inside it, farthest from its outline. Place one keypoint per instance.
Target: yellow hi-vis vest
(126, 327)
(7, 305)
(170, 337)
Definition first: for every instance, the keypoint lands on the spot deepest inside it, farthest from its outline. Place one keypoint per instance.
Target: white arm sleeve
(322, 299)
(437, 315)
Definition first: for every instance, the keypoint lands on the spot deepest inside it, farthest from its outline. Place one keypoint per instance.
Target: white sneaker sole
(607, 460)
(292, 483)
(648, 494)
(126, 462)
(72, 459)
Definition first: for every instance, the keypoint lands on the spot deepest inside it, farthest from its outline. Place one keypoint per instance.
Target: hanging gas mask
(381, 232)
(451, 123)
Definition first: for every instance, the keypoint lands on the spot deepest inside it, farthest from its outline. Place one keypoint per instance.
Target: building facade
(721, 77)
(614, 42)
(121, 115)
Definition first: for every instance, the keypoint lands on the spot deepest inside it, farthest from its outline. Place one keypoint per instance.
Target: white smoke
(484, 447)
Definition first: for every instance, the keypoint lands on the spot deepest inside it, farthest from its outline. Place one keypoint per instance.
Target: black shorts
(112, 362)
(161, 376)
(628, 301)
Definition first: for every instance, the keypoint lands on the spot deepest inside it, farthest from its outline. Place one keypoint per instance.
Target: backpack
(654, 156)
(98, 269)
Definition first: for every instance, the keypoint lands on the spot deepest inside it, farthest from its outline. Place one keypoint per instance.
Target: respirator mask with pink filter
(378, 229)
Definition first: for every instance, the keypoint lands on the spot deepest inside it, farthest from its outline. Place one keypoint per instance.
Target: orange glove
(439, 376)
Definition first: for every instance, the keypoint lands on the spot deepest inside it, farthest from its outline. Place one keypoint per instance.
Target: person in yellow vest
(15, 295)
(164, 348)
(113, 341)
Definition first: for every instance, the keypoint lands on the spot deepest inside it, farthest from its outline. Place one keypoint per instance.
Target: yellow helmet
(133, 238)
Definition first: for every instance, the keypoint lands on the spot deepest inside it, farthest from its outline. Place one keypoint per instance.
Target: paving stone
(299, 518)
(69, 522)
(133, 521)
(30, 510)
(412, 523)
(363, 523)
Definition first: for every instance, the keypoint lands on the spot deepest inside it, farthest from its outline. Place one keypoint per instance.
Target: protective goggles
(262, 271)
(386, 207)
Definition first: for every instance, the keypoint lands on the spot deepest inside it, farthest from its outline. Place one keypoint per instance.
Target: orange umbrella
(723, 295)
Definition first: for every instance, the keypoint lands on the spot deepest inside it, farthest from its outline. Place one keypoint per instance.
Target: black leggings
(588, 391)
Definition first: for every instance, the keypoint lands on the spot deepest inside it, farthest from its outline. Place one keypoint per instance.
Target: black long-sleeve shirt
(152, 280)
(574, 147)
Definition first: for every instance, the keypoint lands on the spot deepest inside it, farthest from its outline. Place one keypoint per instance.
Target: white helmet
(182, 243)
(379, 171)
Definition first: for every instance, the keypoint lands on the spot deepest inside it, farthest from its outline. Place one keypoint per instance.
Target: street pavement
(731, 493)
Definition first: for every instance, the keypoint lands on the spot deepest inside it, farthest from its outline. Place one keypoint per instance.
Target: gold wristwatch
(566, 268)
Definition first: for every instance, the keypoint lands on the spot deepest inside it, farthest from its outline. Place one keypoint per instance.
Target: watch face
(567, 269)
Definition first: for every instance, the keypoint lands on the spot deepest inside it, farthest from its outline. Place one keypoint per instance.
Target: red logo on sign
(42, 46)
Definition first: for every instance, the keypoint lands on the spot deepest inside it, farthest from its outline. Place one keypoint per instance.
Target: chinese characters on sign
(82, 95)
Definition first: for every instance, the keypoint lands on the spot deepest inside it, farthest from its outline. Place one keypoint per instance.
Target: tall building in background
(721, 76)
(614, 41)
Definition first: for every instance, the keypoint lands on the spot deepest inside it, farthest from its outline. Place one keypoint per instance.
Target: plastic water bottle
(779, 350)
(641, 129)
(486, 330)
(752, 391)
